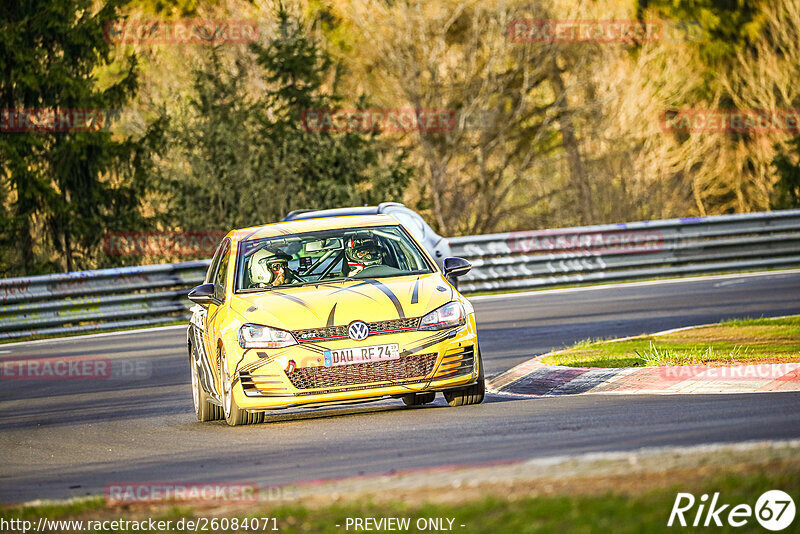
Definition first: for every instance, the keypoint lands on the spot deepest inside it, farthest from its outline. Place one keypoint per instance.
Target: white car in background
(436, 245)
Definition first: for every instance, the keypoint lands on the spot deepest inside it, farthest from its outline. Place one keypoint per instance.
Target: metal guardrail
(630, 251)
(152, 294)
(97, 300)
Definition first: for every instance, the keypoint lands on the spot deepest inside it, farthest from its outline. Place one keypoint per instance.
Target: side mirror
(455, 267)
(202, 294)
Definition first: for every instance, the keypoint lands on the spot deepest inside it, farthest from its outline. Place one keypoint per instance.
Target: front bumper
(430, 361)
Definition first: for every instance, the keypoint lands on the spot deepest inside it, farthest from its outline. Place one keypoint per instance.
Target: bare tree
(458, 56)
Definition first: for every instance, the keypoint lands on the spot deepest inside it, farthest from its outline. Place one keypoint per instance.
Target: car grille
(417, 366)
(340, 332)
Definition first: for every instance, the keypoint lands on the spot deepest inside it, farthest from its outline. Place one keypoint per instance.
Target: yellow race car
(329, 311)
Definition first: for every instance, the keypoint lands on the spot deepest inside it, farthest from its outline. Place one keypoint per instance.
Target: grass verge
(603, 505)
(733, 342)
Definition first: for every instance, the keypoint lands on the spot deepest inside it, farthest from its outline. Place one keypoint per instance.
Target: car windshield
(327, 256)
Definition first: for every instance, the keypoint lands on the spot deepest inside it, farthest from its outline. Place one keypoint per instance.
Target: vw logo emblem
(358, 330)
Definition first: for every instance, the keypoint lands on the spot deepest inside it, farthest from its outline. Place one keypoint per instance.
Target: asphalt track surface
(71, 438)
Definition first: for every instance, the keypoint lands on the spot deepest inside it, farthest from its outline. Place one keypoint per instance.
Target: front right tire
(472, 394)
(469, 395)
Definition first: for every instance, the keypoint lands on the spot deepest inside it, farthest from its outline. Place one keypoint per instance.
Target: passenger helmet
(268, 267)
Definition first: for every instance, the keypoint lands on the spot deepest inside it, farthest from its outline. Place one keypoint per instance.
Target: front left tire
(203, 408)
(418, 399)
(234, 415)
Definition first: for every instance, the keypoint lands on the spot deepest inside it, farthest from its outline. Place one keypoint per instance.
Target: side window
(222, 273)
(411, 223)
(212, 267)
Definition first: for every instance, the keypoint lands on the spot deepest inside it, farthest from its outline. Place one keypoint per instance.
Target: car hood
(340, 303)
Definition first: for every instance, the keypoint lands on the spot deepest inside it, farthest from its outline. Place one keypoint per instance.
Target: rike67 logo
(774, 510)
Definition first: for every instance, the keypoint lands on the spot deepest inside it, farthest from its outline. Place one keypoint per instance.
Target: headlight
(256, 336)
(447, 316)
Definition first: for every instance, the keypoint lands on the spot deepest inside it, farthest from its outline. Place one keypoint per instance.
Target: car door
(216, 316)
(200, 313)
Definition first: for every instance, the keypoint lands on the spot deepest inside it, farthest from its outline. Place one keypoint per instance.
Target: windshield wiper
(255, 289)
(287, 286)
(337, 280)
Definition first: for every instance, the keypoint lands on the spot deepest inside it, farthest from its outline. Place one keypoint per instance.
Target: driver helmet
(269, 268)
(364, 251)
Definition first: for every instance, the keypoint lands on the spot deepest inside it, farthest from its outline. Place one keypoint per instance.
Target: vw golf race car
(329, 311)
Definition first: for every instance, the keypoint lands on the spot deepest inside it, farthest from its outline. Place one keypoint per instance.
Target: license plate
(372, 353)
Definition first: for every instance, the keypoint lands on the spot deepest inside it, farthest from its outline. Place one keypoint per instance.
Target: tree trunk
(68, 249)
(67, 237)
(578, 176)
(22, 214)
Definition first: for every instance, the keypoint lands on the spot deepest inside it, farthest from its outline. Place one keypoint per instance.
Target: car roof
(336, 212)
(313, 224)
(297, 215)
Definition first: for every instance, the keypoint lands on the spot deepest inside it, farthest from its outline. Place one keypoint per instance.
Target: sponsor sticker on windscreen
(372, 353)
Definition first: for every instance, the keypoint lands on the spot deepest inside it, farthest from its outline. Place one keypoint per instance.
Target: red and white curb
(538, 379)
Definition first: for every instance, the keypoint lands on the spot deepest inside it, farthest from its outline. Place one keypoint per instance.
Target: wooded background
(546, 134)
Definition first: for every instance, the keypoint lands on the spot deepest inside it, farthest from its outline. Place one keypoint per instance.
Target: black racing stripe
(252, 366)
(313, 348)
(295, 299)
(415, 294)
(330, 316)
(388, 293)
(429, 342)
(292, 298)
(353, 291)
